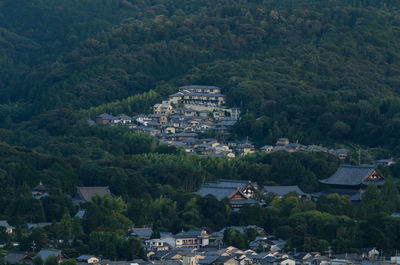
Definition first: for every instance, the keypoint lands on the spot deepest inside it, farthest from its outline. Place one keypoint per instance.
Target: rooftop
(353, 176)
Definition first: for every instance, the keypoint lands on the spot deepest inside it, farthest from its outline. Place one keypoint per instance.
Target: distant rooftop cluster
(283, 144)
(178, 120)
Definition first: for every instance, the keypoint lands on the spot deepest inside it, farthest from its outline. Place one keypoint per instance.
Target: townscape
(191, 132)
(194, 110)
(202, 246)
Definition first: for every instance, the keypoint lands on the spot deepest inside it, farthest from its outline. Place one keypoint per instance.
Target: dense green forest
(314, 71)
(322, 72)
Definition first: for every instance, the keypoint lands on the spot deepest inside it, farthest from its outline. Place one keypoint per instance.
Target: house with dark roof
(142, 233)
(17, 257)
(45, 253)
(104, 118)
(352, 180)
(85, 194)
(85, 258)
(9, 228)
(282, 191)
(194, 238)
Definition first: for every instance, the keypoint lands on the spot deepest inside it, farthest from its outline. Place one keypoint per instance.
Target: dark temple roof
(347, 175)
(218, 192)
(85, 194)
(283, 190)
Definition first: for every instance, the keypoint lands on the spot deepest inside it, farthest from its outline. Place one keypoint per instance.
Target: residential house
(282, 142)
(201, 89)
(244, 149)
(156, 245)
(385, 162)
(9, 229)
(369, 253)
(17, 257)
(267, 148)
(90, 259)
(45, 253)
(38, 225)
(192, 238)
(122, 119)
(104, 118)
(142, 233)
(340, 153)
(164, 108)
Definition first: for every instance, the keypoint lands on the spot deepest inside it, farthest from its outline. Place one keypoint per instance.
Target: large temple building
(352, 181)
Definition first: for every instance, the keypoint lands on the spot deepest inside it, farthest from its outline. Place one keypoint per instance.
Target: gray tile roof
(283, 190)
(85, 194)
(142, 232)
(85, 257)
(105, 116)
(14, 257)
(218, 192)
(351, 176)
(229, 183)
(45, 253)
(192, 233)
(4, 223)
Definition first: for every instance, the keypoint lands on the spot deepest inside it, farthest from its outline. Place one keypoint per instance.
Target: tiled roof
(85, 194)
(45, 253)
(4, 223)
(192, 233)
(105, 116)
(350, 175)
(218, 192)
(142, 232)
(283, 190)
(14, 257)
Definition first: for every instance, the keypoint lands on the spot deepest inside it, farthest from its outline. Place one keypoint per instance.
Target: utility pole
(33, 245)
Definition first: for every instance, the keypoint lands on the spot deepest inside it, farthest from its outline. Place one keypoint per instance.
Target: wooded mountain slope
(313, 71)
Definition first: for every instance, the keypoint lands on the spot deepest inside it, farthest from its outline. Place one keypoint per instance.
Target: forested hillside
(316, 71)
(323, 71)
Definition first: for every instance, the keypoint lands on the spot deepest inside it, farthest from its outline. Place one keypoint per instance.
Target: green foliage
(37, 260)
(51, 260)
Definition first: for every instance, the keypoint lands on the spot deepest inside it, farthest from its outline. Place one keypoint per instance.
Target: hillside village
(193, 110)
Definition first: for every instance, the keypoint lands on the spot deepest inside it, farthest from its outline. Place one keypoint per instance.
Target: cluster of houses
(283, 144)
(196, 247)
(178, 120)
(199, 246)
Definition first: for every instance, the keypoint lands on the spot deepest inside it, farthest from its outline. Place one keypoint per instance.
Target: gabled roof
(85, 194)
(142, 232)
(14, 257)
(105, 116)
(45, 253)
(192, 233)
(218, 192)
(40, 187)
(85, 257)
(352, 176)
(80, 214)
(283, 190)
(4, 223)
